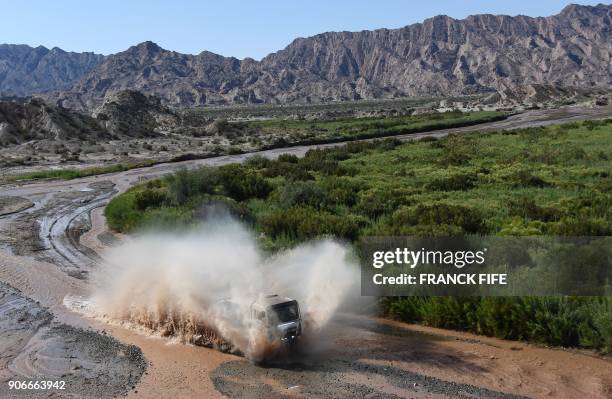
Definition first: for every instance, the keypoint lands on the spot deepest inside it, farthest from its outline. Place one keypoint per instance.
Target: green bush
(300, 223)
(577, 226)
(377, 202)
(302, 193)
(526, 207)
(325, 161)
(149, 198)
(121, 214)
(524, 178)
(435, 218)
(290, 158)
(595, 329)
(456, 150)
(242, 184)
(342, 190)
(184, 184)
(257, 162)
(453, 182)
(326, 167)
(289, 171)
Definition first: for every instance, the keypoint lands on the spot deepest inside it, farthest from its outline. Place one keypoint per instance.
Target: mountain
(37, 120)
(180, 79)
(131, 113)
(25, 70)
(444, 56)
(441, 56)
(125, 114)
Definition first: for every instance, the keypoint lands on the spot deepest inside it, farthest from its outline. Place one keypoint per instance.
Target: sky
(227, 27)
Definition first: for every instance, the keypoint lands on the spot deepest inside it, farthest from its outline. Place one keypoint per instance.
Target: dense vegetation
(310, 131)
(551, 180)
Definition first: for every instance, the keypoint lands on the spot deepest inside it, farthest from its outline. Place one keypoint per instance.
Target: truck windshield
(286, 312)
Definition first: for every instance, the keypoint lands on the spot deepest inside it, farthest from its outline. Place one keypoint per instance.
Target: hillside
(125, 114)
(37, 120)
(25, 70)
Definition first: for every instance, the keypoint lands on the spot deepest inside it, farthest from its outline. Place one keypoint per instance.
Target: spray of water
(172, 284)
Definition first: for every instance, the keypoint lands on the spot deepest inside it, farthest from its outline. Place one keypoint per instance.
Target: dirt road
(49, 245)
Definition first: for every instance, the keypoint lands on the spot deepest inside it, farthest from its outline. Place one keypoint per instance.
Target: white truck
(278, 317)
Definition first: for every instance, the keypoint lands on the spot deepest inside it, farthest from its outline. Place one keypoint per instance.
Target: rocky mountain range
(441, 56)
(25, 70)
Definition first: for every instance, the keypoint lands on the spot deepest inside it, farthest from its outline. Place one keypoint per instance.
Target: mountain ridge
(26, 70)
(439, 56)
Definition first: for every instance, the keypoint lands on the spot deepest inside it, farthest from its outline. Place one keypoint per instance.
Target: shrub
(577, 226)
(300, 223)
(526, 207)
(595, 328)
(241, 184)
(121, 214)
(289, 171)
(219, 126)
(435, 218)
(149, 198)
(290, 158)
(306, 193)
(257, 162)
(184, 185)
(319, 161)
(524, 178)
(456, 150)
(454, 182)
(377, 202)
(342, 191)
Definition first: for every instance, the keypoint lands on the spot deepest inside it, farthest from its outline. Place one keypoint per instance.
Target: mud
(20, 320)
(91, 364)
(52, 229)
(325, 370)
(327, 379)
(33, 348)
(10, 205)
(364, 357)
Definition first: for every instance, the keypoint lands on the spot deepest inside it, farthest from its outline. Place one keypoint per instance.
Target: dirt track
(47, 250)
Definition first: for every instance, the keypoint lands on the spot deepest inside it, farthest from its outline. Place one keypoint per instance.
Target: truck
(278, 317)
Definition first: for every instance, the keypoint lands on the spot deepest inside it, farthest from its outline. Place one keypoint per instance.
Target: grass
(551, 180)
(73, 173)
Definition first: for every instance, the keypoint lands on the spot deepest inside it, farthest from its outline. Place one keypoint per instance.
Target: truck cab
(280, 316)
